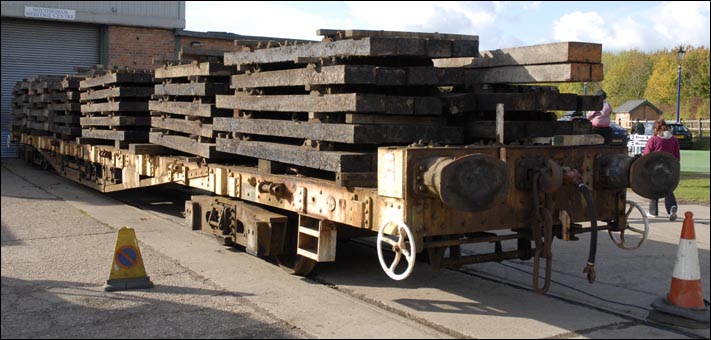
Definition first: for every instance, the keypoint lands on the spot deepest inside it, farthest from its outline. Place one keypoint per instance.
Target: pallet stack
(327, 106)
(65, 109)
(184, 107)
(115, 107)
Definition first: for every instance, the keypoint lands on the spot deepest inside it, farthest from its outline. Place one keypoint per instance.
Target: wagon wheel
(642, 230)
(404, 245)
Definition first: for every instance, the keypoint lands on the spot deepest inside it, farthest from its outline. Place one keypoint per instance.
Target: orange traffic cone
(684, 305)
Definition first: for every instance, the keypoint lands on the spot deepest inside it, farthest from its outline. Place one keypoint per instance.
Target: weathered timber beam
(72, 82)
(65, 107)
(194, 69)
(341, 133)
(530, 101)
(124, 136)
(115, 121)
(115, 92)
(146, 149)
(114, 107)
(188, 145)
(192, 89)
(336, 161)
(185, 108)
(392, 34)
(349, 102)
(113, 78)
(360, 118)
(66, 130)
(196, 52)
(366, 47)
(554, 73)
(68, 119)
(182, 125)
(55, 97)
(350, 74)
(563, 52)
(516, 130)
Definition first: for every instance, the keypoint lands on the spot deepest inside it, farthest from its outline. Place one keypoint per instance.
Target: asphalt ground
(58, 238)
(55, 262)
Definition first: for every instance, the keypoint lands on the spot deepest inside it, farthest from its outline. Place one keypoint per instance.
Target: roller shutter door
(35, 47)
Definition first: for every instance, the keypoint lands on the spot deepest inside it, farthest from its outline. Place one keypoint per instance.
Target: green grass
(695, 161)
(693, 187)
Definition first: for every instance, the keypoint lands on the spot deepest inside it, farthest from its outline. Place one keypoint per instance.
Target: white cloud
(664, 26)
(621, 25)
(533, 5)
(459, 17)
(257, 18)
(578, 26)
(682, 22)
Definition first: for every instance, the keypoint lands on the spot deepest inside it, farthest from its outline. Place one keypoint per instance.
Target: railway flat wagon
(419, 140)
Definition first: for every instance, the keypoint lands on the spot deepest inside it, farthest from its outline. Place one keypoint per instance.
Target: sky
(617, 25)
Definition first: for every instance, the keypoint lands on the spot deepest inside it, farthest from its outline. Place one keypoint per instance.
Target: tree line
(633, 74)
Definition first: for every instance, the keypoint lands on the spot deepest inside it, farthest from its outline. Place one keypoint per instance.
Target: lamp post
(679, 56)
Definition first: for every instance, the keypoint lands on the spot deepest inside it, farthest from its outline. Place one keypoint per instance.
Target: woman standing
(664, 141)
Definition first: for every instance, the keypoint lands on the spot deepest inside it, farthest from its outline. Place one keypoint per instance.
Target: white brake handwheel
(399, 247)
(643, 232)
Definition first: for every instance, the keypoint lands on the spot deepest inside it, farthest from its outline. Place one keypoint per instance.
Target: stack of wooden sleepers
(20, 108)
(115, 107)
(65, 109)
(43, 90)
(328, 106)
(184, 106)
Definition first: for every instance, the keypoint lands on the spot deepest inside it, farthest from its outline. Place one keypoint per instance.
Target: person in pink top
(663, 141)
(601, 119)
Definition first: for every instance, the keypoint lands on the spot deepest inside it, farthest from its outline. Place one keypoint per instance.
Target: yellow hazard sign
(127, 270)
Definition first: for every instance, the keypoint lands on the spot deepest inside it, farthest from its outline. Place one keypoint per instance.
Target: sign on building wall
(50, 13)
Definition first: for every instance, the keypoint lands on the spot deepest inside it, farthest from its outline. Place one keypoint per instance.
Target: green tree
(696, 74)
(626, 77)
(661, 86)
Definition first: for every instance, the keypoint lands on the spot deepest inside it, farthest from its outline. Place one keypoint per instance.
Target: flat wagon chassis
(539, 198)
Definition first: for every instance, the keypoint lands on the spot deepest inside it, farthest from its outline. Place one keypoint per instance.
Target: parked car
(679, 130)
(683, 134)
(569, 115)
(620, 135)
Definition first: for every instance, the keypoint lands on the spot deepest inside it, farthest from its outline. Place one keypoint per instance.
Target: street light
(679, 56)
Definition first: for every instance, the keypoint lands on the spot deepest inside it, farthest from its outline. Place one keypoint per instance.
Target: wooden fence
(698, 127)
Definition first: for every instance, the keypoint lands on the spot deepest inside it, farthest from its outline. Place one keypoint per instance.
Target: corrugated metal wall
(163, 14)
(33, 47)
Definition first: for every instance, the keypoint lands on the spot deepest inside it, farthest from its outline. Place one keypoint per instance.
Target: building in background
(629, 112)
(55, 37)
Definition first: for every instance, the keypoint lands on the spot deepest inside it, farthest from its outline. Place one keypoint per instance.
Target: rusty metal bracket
(300, 201)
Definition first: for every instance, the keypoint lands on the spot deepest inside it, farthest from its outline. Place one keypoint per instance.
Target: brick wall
(209, 43)
(136, 47)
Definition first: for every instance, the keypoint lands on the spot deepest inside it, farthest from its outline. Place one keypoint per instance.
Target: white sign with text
(50, 13)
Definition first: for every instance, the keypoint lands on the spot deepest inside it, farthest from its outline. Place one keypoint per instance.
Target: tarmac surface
(58, 239)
